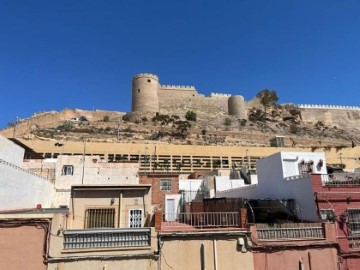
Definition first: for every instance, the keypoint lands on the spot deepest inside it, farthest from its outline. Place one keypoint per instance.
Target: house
(300, 183)
(15, 179)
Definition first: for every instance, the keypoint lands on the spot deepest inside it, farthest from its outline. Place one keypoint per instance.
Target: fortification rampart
(341, 117)
(148, 96)
(333, 107)
(177, 87)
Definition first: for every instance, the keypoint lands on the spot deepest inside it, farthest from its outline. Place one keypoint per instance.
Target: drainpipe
(203, 259)
(120, 208)
(215, 255)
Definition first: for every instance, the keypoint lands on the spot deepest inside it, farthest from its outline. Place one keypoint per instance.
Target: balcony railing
(107, 238)
(201, 219)
(341, 179)
(291, 231)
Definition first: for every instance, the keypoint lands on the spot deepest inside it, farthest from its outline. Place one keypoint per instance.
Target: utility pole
(340, 155)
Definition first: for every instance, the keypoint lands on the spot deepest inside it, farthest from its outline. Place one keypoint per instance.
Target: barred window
(306, 167)
(354, 220)
(165, 184)
(68, 170)
(135, 218)
(100, 218)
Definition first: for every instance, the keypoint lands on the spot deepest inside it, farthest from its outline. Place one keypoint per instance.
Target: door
(170, 210)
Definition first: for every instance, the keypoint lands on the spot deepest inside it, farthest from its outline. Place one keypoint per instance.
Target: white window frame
(137, 220)
(166, 187)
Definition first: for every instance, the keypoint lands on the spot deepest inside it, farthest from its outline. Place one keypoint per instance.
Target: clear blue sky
(83, 54)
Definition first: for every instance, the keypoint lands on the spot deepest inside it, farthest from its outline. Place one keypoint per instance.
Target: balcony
(107, 238)
(290, 231)
(200, 220)
(340, 179)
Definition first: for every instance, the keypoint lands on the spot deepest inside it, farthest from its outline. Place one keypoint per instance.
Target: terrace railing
(201, 219)
(293, 231)
(341, 179)
(107, 238)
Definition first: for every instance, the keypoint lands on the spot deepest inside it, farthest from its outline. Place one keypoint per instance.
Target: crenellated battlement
(219, 95)
(181, 87)
(337, 107)
(149, 75)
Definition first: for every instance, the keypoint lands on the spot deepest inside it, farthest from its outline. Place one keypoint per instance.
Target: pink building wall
(22, 248)
(339, 198)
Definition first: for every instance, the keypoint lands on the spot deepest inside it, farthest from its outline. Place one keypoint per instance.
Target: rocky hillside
(217, 129)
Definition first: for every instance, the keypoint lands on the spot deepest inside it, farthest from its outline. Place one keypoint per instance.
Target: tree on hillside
(267, 98)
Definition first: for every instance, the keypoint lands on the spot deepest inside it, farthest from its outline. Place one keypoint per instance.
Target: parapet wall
(340, 116)
(336, 107)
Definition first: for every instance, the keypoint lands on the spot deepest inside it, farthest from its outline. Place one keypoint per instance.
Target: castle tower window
(149, 80)
(138, 90)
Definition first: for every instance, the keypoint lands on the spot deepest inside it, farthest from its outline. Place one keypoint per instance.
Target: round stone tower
(236, 106)
(145, 88)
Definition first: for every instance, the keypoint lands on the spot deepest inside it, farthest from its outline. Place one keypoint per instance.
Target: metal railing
(341, 179)
(301, 232)
(107, 238)
(201, 219)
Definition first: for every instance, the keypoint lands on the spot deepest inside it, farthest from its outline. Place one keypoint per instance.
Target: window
(306, 167)
(68, 170)
(138, 90)
(354, 220)
(327, 214)
(165, 184)
(100, 218)
(135, 218)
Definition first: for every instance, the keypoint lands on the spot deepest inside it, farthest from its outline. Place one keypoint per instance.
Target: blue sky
(83, 54)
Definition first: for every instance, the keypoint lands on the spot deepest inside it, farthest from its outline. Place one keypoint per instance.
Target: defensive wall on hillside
(330, 114)
(148, 95)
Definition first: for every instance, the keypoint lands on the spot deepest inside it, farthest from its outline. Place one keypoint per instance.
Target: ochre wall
(186, 254)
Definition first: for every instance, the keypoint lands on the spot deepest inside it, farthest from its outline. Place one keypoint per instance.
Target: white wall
(278, 179)
(11, 152)
(192, 188)
(225, 183)
(20, 189)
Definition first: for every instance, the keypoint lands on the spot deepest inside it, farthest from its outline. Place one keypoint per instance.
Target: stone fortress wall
(150, 96)
(331, 114)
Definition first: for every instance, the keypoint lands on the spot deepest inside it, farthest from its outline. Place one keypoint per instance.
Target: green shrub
(106, 118)
(191, 116)
(227, 122)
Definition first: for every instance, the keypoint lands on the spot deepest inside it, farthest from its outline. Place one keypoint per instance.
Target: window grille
(354, 220)
(135, 218)
(306, 167)
(165, 184)
(327, 214)
(68, 170)
(100, 218)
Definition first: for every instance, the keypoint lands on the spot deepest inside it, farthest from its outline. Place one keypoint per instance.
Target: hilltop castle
(149, 96)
